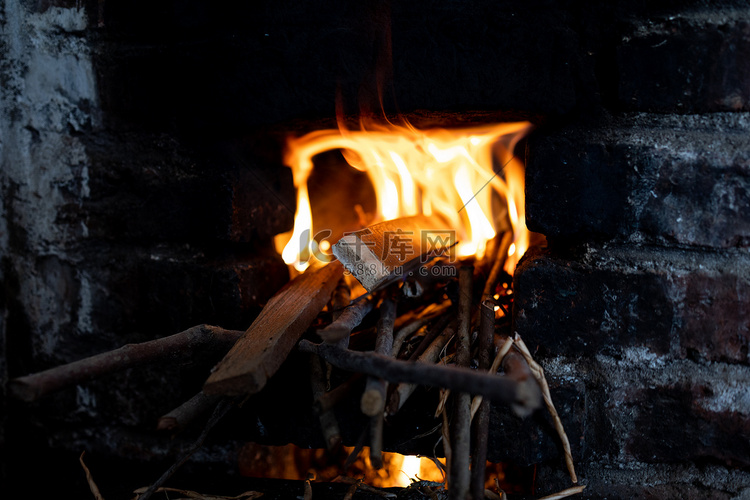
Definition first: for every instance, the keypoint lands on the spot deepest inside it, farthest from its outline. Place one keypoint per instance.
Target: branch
(186, 413)
(221, 409)
(347, 321)
(373, 398)
(430, 355)
(502, 256)
(494, 387)
(176, 347)
(538, 374)
(461, 424)
(482, 423)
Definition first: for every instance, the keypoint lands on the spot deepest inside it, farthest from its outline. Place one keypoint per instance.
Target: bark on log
(176, 347)
(461, 425)
(494, 387)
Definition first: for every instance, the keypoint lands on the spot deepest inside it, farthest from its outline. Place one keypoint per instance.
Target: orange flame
(443, 172)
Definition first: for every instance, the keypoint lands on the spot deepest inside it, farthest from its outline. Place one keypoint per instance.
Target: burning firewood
(265, 345)
(378, 252)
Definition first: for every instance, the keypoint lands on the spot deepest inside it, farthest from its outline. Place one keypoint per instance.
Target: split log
(376, 254)
(267, 343)
(177, 347)
(494, 387)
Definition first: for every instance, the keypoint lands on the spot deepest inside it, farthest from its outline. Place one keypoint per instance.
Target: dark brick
(567, 307)
(666, 180)
(535, 439)
(603, 301)
(176, 289)
(151, 188)
(692, 62)
(672, 427)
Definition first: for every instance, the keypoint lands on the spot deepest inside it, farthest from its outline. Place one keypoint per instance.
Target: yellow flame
(448, 173)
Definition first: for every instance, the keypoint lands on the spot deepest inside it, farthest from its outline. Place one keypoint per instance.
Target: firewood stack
(441, 322)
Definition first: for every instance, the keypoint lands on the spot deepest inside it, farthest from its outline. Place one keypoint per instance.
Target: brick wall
(141, 186)
(642, 295)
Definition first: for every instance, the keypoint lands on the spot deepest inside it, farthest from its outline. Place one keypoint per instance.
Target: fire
(292, 462)
(444, 172)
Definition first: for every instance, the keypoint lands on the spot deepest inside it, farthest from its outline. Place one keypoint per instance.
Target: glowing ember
(448, 173)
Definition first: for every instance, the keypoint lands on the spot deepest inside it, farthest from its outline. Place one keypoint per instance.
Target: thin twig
(500, 491)
(349, 319)
(357, 448)
(364, 486)
(185, 414)
(430, 355)
(430, 312)
(437, 329)
(482, 423)
(565, 493)
(497, 266)
(461, 424)
(221, 409)
(538, 373)
(308, 488)
(447, 451)
(176, 347)
(373, 398)
(341, 298)
(493, 369)
(495, 387)
(376, 441)
(328, 423)
(333, 397)
(372, 402)
(90, 479)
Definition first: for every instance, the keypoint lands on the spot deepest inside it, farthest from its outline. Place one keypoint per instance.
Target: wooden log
(185, 414)
(266, 344)
(494, 387)
(175, 347)
(461, 424)
(349, 319)
(376, 253)
(372, 402)
(329, 426)
(480, 435)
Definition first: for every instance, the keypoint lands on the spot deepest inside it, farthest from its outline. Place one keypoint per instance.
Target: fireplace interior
(142, 186)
